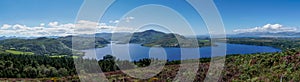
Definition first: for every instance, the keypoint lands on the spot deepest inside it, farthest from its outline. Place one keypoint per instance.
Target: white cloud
(53, 24)
(128, 19)
(274, 28)
(114, 22)
(57, 29)
(42, 24)
(6, 26)
(19, 27)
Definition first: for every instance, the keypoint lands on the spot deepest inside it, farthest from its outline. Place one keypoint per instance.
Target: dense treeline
(30, 66)
(38, 66)
(282, 43)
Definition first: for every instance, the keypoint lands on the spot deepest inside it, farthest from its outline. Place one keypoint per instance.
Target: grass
(31, 53)
(60, 56)
(19, 52)
(203, 40)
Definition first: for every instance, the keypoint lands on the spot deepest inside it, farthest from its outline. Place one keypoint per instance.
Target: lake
(137, 51)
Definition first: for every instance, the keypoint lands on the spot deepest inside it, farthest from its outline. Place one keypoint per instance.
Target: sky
(58, 17)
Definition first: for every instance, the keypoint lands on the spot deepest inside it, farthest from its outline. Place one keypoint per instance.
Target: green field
(19, 52)
(204, 40)
(60, 56)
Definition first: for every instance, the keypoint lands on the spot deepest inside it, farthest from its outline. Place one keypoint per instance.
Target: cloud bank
(57, 29)
(273, 28)
(126, 19)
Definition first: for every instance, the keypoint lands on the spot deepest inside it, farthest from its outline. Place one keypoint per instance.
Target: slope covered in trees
(50, 46)
(153, 38)
(39, 46)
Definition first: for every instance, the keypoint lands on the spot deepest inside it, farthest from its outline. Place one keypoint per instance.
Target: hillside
(47, 46)
(39, 46)
(85, 42)
(153, 38)
(148, 36)
(137, 37)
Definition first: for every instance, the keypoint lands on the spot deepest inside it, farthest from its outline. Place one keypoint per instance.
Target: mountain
(2, 38)
(268, 34)
(50, 46)
(137, 37)
(151, 38)
(39, 46)
(117, 36)
(84, 42)
(14, 37)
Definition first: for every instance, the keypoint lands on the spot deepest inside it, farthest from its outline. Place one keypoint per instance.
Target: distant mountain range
(267, 34)
(11, 37)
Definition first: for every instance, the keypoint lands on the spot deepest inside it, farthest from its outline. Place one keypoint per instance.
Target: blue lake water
(136, 51)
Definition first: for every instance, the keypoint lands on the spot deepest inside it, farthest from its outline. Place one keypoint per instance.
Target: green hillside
(84, 42)
(46, 46)
(39, 46)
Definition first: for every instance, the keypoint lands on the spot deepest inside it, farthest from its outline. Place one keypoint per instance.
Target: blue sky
(237, 15)
(34, 12)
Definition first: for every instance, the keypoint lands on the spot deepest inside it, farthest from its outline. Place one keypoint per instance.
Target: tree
(109, 57)
(2, 64)
(53, 72)
(30, 72)
(9, 64)
(43, 71)
(63, 72)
